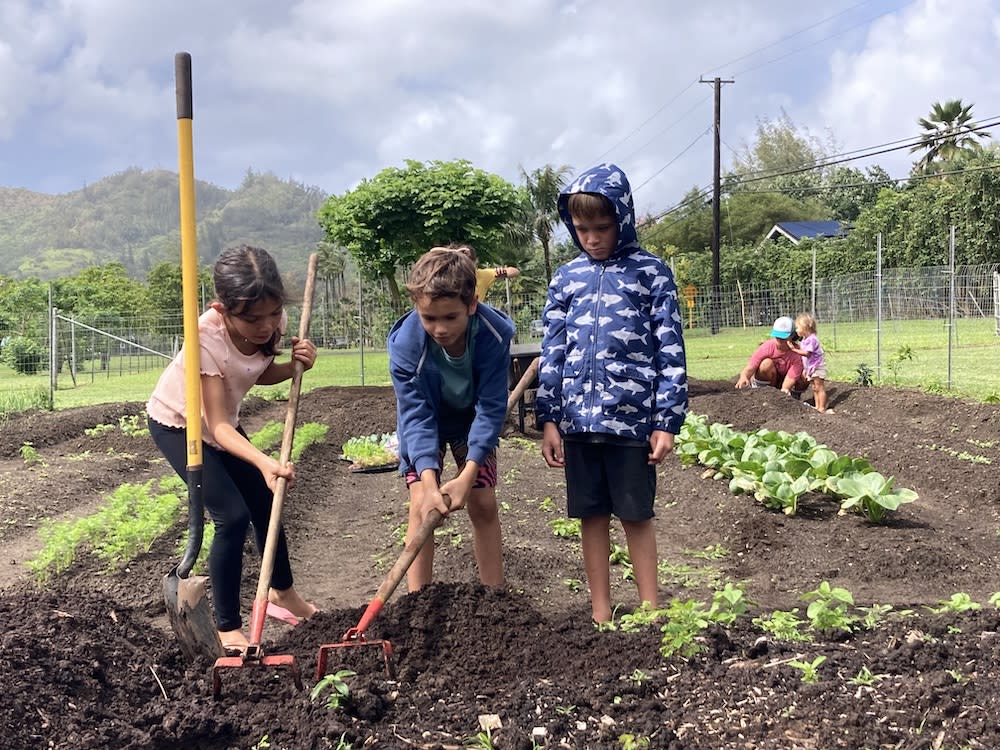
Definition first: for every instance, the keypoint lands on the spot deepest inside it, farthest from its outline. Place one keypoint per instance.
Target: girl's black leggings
(236, 496)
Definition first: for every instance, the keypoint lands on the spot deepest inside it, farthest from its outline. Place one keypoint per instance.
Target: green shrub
(23, 355)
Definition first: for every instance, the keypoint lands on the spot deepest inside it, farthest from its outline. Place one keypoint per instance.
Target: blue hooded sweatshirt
(416, 379)
(613, 351)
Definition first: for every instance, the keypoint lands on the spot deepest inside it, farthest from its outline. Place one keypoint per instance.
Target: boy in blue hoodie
(448, 359)
(612, 390)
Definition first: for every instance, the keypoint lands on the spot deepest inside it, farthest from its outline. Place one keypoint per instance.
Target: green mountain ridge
(132, 217)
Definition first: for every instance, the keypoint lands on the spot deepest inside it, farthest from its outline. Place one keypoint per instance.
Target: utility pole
(716, 191)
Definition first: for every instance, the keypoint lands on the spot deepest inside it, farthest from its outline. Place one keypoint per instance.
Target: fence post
(878, 307)
(951, 297)
(996, 303)
(53, 358)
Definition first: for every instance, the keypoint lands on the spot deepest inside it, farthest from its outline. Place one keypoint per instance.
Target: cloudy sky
(328, 92)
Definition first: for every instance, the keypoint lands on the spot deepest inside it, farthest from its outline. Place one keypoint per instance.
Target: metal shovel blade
(190, 615)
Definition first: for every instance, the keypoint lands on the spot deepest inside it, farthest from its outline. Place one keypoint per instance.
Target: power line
(835, 159)
(818, 41)
(684, 151)
(790, 36)
(824, 188)
(751, 54)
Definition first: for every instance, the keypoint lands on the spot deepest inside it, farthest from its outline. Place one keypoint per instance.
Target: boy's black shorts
(608, 478)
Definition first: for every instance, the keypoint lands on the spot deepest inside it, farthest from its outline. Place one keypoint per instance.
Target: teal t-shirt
(458, 391)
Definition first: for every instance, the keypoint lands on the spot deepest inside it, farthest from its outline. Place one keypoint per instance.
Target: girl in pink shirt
(239, 335)
(813, 359)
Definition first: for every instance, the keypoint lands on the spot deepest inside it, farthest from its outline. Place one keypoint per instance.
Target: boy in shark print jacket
(612, 390)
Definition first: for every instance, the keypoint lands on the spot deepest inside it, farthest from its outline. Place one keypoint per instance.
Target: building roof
(796, 231)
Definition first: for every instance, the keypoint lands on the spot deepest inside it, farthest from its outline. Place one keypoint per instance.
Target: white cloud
(930, 52)
(330, 93)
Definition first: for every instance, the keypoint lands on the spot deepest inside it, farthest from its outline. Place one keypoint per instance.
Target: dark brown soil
(88, 661)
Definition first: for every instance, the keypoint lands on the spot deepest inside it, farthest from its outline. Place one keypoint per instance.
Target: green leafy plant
(728, 604)
(809, 669)
(686, 618)
(261, 744)
(335, 684)
(98, 430)
(958, 603)
(828, 608)
(306, 435)
(573, 584)
(895, 362)
(642, 617)
(29, 453)
(864, 375)
(567, 528)
(872, 495)
(547, 504)
(866, 677)
(131, 519)
(482, 740)
(778, 467)
(133, 425)
(268, 436)
(371, 450)
(783, 625)
(874, 615)
(711, 552)
(638, 676)
(632, 741)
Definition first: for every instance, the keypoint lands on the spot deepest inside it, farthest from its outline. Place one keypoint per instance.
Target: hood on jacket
(610, 181)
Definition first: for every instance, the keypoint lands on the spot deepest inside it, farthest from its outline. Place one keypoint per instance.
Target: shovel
(187, 606)
(356, 636)
(254, 654)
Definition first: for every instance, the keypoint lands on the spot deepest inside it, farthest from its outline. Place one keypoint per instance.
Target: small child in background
(814, 360)
(485, 277)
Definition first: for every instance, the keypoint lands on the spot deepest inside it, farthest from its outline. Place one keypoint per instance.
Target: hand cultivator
(356, 636)
(254, 654)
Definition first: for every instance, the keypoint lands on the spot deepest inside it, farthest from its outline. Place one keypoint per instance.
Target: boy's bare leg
(595, 535)
(819, 394)
(486, 535)
(641, 539)
(422, 568)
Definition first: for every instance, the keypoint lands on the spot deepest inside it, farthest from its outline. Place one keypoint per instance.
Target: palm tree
(543, 186)
(948, 136)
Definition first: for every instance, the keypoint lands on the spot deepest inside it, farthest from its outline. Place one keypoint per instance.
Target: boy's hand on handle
(552, 446)
(660, 444)
(304, 351)
(435, 499)
(458, 489)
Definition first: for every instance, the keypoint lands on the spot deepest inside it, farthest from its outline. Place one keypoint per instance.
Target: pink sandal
(280, 613)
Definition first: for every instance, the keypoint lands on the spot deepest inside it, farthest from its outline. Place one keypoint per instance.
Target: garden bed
(89, 662)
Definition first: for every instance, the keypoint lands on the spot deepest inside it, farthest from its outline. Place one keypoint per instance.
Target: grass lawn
(913, 353)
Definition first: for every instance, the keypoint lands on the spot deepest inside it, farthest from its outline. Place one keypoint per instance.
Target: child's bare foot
(233, 640)
(291, 600)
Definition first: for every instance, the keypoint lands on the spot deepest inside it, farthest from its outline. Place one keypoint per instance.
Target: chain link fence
(70, 349)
